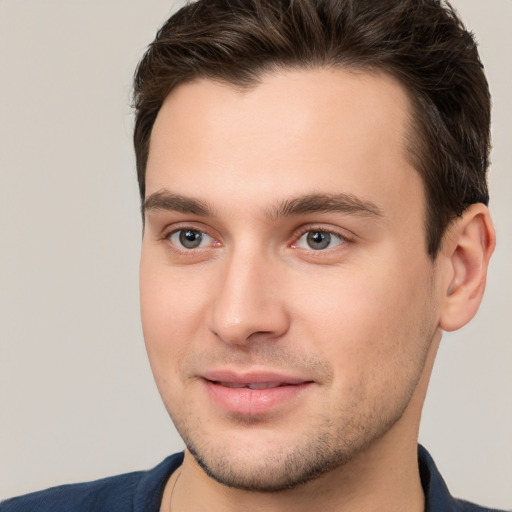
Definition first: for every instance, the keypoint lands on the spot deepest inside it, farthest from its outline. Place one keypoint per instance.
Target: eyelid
(345, 235)
(189, 226)
(203, 242)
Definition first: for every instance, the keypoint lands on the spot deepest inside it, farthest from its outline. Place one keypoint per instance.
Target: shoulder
(437, 495)
(130, 492)
(466, 506)
(105, 494)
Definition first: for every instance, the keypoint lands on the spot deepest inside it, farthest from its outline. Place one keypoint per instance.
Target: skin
(357, 322)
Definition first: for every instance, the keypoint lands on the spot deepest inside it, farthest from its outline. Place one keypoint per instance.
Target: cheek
(368, 321)
(171, 311)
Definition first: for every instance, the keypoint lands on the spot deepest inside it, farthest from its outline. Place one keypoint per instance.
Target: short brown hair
(422, 43)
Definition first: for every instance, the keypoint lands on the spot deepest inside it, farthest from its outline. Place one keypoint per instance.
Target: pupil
(319, 240)
(190, 239)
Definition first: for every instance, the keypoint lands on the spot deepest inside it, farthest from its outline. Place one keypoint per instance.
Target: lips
(253, 393)
(252, 385)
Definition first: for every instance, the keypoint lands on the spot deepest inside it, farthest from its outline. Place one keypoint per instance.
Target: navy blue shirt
(142, 492)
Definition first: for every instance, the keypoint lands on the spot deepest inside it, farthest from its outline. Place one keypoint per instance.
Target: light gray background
(77, 400)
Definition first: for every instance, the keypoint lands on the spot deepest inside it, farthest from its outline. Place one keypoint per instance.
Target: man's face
(288, 302)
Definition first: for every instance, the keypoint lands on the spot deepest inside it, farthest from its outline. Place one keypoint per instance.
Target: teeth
(262, 385)
(232, 385)
(258, 385)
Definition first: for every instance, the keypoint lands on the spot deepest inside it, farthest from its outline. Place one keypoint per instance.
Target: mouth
(252, 385)
(254, 394)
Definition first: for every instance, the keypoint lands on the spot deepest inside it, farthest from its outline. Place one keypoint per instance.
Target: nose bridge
(247, 301)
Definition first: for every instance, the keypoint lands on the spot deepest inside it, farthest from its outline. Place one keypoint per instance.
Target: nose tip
(248, 307)
(240, 332)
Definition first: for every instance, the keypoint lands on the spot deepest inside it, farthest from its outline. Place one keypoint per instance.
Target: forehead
(295, 132)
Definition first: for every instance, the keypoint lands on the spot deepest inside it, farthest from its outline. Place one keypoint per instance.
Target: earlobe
(467, 249)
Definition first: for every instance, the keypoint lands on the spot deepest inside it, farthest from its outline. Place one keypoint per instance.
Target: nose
(249, 304)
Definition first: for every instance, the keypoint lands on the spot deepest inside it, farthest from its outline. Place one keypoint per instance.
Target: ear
(466, 251)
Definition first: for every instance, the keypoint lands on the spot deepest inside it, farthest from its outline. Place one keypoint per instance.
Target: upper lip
(252, 377)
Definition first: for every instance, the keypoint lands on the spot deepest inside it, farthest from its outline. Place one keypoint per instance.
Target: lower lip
(247, 401)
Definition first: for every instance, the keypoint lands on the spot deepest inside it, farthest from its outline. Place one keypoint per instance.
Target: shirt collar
(437, 496)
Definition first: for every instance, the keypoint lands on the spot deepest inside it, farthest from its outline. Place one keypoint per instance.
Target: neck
(363, 484)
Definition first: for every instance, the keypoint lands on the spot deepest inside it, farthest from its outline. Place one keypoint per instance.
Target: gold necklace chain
(172, 491)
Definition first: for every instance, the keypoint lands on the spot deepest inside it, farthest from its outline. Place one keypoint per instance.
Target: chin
(264, 472)
(273, 465)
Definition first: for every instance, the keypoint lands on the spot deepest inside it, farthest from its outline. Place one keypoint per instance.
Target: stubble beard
(319, 451)
(328, 442)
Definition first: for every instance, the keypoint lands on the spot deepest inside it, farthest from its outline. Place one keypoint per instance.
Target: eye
(190, 238)
(318, 240)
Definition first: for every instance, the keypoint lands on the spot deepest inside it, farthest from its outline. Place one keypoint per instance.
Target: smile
(253, 394)
(252, 385)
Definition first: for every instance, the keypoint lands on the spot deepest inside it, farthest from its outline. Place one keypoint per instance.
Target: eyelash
(297, 236)
(342, 236)
(180, 248)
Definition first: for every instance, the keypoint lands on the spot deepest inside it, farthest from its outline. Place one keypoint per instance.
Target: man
(312, 176)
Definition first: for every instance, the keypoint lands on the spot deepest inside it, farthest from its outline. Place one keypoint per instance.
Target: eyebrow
(326, 203)
(302, 205)
(165, 200)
